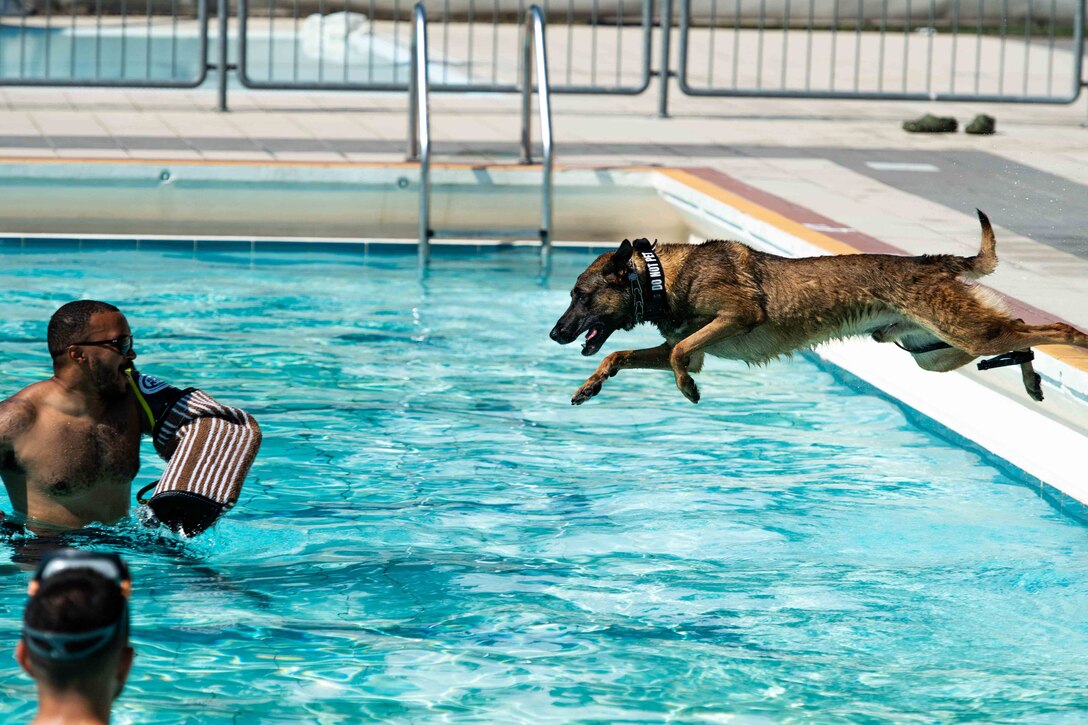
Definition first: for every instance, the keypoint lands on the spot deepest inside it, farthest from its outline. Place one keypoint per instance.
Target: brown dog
(728, 300)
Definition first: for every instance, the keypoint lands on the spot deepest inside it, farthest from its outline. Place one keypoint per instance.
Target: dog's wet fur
(729, 300)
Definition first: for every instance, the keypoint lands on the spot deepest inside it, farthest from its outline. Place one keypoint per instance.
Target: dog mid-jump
(731, 301)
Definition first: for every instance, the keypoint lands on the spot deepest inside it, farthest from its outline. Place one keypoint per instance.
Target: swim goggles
(67, 646)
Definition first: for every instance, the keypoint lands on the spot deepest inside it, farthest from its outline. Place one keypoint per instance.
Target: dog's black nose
(554, 334)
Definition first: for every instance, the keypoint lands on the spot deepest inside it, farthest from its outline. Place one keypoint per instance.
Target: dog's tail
(985, 261)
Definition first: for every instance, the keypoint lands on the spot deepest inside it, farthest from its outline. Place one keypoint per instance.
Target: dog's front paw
(590, 388)
(688, 387)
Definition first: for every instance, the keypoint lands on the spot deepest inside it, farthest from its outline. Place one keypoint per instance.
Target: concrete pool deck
(844, 171)
(848, 162)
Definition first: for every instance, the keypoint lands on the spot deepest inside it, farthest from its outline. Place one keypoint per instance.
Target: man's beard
(109, 384)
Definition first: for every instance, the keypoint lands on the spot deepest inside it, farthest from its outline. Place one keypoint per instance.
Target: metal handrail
(419, 134)
(419, 129)
(535, 49)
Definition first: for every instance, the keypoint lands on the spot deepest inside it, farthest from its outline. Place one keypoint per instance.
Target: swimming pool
(138, 49)
(432, 532)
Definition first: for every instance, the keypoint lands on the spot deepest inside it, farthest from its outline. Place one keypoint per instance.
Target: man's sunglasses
(123, 344)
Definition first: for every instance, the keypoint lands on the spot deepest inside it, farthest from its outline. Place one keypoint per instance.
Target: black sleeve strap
(1017, 357)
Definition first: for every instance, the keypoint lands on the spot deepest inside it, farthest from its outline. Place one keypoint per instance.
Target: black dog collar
(649, 299)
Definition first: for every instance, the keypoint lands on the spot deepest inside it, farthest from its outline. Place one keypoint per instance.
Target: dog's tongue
(589, 346)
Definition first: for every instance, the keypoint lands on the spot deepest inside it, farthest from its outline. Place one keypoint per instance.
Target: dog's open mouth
(595, 337)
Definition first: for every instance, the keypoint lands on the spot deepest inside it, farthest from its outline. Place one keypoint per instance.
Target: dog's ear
(618, 262)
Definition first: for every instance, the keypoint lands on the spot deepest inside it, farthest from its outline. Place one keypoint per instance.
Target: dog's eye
(578, 295)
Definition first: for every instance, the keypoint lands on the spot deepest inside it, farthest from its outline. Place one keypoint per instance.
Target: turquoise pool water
(139, 51)
(433, 533)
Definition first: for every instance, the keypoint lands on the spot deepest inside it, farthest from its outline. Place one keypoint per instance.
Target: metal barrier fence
(320, 44)
(534, 63)
(364, 45)
(130, 43)
(1025, 51)
(975, 50)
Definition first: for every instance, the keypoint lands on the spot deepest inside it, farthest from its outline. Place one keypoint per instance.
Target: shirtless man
(70, 445)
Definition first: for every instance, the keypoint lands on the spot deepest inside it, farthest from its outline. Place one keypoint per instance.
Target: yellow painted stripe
(762, 213)
(1072, 356)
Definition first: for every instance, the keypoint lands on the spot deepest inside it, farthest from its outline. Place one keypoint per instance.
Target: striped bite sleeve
(209, 448)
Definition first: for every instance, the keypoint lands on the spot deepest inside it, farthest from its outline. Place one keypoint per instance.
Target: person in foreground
(75, 636)
(70, 445)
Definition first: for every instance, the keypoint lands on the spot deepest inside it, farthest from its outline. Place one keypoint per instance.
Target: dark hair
(72, 602)
(67, 325)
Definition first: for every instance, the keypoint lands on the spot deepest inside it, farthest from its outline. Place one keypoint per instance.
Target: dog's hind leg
(653, 358)
(950, 358)
(1033, 384)
(993, 335)
(966, 318)
(929, 352)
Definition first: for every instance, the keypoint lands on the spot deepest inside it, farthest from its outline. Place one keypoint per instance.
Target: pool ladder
(419, 136)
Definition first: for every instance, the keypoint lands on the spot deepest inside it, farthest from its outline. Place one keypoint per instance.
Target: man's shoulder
(18, 413)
